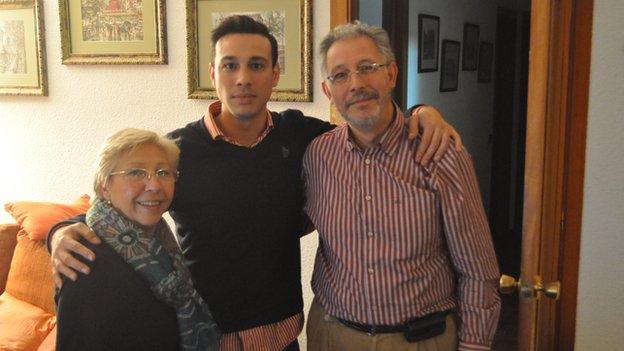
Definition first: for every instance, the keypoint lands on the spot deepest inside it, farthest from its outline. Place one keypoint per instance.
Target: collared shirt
(399, 240)
(214, 110)
(269, 337)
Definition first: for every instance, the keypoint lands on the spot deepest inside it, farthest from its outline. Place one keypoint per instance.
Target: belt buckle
(371, 332)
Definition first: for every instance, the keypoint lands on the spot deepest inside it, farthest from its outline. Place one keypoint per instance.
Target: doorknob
(508, 284)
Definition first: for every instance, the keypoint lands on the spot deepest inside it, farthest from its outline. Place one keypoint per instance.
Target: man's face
(242, 74)
(362, 97)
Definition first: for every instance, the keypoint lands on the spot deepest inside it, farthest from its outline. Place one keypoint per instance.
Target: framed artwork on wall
(22, 48)
(470, 55)
(486, 56)
(289, 21)
(449, 74)
(113, 31)
(428, 42)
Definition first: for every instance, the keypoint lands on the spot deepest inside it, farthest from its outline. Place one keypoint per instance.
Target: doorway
(489, 113)
(560, 51)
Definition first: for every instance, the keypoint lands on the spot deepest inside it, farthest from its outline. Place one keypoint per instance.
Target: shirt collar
(389, 141)
(214, 110)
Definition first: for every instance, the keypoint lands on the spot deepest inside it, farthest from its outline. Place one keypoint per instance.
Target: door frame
(558, 91)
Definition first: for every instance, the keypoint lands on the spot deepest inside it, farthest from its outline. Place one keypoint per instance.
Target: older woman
(139, 295)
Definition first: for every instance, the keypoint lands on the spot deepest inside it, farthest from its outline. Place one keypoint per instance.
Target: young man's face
(242, 74)
(362, 98)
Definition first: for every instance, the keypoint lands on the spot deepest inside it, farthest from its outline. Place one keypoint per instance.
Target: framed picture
(22, 48)
(470, 55)
(449, 74)
(290, 21)
(486, 56)
(113, 31)
(428, 43)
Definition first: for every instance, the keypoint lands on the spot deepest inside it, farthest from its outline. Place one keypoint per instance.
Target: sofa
(27, 308)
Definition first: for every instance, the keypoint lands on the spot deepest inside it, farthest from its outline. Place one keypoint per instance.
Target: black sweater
(238, 213)
(113, 308)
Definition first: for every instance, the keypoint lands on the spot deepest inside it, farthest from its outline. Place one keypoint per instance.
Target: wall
(470, 108)
(601, 282)
(48, 144)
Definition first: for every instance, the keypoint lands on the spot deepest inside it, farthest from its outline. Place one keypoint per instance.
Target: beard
(364, 122)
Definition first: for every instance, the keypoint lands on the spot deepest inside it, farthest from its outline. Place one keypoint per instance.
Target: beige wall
(600, 322)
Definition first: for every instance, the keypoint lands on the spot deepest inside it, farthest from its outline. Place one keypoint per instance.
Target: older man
(405, 259)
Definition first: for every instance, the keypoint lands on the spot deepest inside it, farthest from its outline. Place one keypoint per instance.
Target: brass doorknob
(508, 285)
(550, 290)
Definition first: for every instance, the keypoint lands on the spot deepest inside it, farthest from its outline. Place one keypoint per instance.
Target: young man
(404, 248)
(238, 201)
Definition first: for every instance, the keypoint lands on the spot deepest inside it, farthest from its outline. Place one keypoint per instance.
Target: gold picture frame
(294, 25)
(22, 48)
(113, 32)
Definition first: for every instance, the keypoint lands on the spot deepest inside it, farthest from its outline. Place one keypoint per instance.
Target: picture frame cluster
(475, 55)
(134, 32)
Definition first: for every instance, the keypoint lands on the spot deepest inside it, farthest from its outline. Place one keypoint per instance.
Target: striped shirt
(399, 240)
(271, 337)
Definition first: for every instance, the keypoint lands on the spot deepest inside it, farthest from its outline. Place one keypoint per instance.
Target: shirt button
(371, 271)
(368, 197)
(367, 161)
(369, 234)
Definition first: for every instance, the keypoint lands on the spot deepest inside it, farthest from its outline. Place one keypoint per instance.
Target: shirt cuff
(467, 346)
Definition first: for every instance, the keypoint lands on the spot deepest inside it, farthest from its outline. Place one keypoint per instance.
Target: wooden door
(558, 86)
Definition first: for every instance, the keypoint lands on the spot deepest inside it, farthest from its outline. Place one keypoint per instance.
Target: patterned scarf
(158, 260)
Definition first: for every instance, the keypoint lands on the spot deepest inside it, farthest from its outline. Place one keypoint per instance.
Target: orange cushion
(22, 325)
(8, 239)
(30, 276)
(49, 343)
(38, 217)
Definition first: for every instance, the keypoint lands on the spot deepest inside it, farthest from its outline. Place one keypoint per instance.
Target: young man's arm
(63, 242)
(436, 133)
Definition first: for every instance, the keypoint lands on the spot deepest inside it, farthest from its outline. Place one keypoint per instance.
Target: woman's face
(140, 199)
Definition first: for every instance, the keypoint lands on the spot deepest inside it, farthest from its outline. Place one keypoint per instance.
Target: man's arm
(63, 243)
(471, 250)
(436, 133)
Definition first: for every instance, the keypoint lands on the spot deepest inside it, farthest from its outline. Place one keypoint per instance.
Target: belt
(387, 329)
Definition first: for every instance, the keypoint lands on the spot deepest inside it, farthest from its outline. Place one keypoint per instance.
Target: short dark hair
(241, 24)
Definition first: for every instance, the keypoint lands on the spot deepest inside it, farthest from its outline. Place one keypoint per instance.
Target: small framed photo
(486, 56)
(22, 48)
(428, 42)
(470, 55)
(113, 32)
(449, 74)
(290, 22)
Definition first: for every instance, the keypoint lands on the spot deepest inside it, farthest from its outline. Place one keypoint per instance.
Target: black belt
(430, 319)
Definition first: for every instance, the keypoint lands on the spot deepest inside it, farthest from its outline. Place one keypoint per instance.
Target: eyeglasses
(141, 174)
(362, 70)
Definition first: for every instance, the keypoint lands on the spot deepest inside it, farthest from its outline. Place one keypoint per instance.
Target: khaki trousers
(325, 333)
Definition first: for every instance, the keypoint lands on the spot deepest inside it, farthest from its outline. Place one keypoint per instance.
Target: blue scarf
(158, 260)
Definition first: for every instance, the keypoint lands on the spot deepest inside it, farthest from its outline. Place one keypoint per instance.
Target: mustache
(362, 94)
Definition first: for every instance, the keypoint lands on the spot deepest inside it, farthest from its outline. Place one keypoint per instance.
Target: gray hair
(353, 30)
(124, 141)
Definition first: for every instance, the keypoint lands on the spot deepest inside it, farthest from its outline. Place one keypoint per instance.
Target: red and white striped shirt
(271, 337)
(399, 240)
